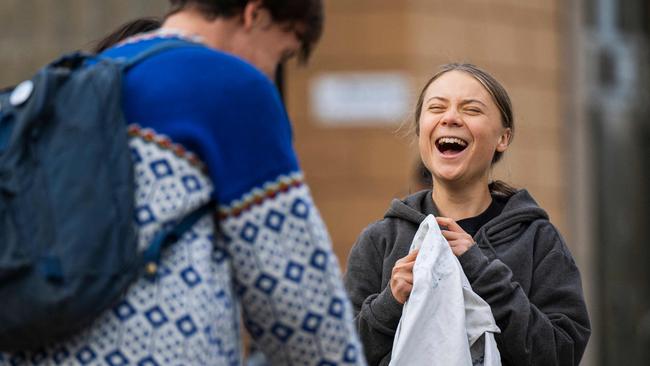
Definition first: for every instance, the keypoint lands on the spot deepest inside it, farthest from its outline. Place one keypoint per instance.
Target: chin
(447, 177)
(445, 170)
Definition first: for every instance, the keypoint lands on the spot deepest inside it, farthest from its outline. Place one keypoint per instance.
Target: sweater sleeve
(377, 313)
(550, 325)
(286, 274)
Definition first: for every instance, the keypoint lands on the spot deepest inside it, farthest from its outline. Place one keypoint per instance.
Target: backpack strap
(78, 59)
(170, 235)
(157, 48)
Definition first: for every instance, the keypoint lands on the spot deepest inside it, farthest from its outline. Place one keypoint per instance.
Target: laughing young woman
(514, 258)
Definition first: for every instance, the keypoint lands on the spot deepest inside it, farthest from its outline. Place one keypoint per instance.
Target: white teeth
(452, 140)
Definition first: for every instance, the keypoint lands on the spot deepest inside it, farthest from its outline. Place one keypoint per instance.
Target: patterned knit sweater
(206, 125)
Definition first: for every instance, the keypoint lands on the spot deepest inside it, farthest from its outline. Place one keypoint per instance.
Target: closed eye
(436, 108)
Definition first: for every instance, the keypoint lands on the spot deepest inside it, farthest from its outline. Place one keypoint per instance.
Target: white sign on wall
(361, 98)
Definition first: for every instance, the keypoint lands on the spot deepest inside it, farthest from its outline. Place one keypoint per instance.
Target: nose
(451, 118)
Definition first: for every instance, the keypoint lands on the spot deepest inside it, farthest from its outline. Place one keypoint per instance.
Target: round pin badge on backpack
(21, 93)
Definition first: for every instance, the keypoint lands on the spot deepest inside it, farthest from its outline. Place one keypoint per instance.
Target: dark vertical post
(617, 39)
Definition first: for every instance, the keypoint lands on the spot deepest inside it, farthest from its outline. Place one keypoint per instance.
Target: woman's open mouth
(449, 146)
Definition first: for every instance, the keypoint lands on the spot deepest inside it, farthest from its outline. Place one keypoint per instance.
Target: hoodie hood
(520, 210)
(413, 208)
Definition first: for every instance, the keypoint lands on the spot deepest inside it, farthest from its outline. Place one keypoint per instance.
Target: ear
(250, 14)
(504, 140)
(254, 13)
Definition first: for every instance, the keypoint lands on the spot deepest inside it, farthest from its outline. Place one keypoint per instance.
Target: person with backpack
(207, 124)
(512, 255)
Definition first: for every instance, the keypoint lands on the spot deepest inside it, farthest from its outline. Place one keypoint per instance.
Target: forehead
(457, 85)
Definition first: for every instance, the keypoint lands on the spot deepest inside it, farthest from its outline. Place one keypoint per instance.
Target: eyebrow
(466, 101)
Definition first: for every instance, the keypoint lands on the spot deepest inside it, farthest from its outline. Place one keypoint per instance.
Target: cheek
(487, 147)
(426, 125)
(425, 146)
(424, 133)
(485, 132)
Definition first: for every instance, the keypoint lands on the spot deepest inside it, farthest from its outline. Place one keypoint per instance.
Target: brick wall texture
(355, 171)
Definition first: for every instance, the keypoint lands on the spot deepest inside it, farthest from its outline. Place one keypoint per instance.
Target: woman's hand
(401, 278)
(459, 240)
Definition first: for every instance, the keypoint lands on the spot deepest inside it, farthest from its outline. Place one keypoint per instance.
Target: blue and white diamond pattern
(168, 186)
(249, 233)
(123, 311)
(294, 272)
(300, 208)
(336, 308)
(116, 358)
(312, 322)
(86, 355)
(191, 183)
(186, 326)
(156, 316)
(282, 332)
(350, 354)
(161, 168)
(274, 220)
(144, 215)
(277, 264)
(295, 306)
(319, 259)
(266, 284)
(190, 277)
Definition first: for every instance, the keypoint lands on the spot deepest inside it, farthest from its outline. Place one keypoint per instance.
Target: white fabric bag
(443, 321)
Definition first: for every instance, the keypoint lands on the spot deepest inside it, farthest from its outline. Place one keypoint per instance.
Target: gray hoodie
(520, 266)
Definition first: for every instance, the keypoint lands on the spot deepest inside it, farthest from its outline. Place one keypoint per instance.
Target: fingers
(453, 235)
(403, 267)
(448, 224)
(451, 230)
(401, 284)
(401, 291)
(403, 276)
(411, 256)
(401, 281)
(459, 240)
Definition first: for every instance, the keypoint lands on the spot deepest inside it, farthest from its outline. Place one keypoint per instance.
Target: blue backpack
(68, 243)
